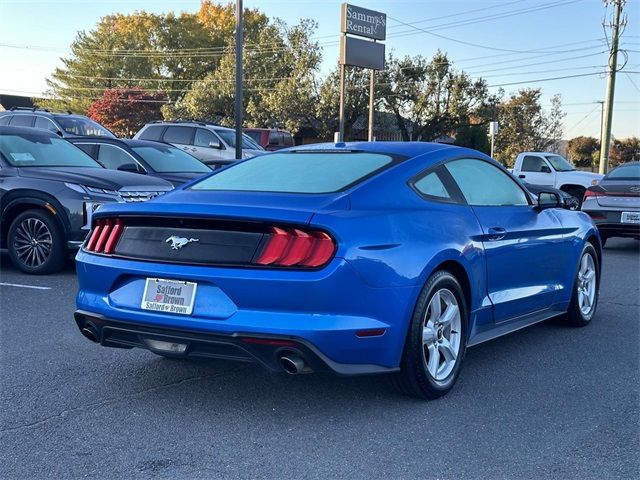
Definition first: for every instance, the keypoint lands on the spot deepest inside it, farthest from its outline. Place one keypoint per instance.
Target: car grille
(129, 196)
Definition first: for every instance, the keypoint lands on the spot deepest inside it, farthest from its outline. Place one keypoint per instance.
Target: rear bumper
(324, 311)
(609, 224)
(263, 349)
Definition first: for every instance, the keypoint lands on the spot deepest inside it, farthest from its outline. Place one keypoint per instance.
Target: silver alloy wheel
(33, 242)
(587, 285)
(441, 330)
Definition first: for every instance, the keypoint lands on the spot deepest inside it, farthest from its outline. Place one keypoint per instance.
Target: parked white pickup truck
(549, 169)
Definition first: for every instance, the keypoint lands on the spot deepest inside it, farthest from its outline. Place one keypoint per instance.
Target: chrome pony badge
(178, 242)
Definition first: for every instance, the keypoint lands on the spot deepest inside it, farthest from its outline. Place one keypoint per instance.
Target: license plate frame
(630, 217)
(164, 295)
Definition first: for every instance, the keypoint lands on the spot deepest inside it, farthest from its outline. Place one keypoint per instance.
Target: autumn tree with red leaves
(125, 110)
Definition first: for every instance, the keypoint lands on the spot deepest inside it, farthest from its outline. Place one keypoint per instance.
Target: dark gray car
(66, 124)
(48, 192)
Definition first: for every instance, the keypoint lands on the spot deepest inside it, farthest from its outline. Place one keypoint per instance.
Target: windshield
(229, 137)
(26, 150)
(559, 164)
(82, 126)
(255, 136)
(625, 172)
(303, 172)
(166, 159)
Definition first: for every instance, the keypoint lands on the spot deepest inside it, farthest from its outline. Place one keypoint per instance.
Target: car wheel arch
(16, 206)
(571, 187)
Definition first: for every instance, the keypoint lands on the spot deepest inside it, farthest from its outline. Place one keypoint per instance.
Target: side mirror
(130, 167)
(215, 144)
(59, 133)
(545, 169)
(549, 200)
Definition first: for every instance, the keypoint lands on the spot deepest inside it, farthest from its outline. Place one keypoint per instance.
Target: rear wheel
(585, 289)
(36, 243)
(436, 339)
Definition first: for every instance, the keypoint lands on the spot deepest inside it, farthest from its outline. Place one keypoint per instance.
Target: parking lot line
(19, 285)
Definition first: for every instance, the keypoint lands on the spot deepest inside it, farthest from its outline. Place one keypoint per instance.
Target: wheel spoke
(588, 276)
(448, 351)
(450, 313)
(436, 308)
(434, 361)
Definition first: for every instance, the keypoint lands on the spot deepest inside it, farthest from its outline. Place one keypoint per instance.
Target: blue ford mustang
(353, 258)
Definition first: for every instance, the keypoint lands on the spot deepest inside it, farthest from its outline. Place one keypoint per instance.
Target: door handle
(496, 233)
(521, 176)
(193, 149)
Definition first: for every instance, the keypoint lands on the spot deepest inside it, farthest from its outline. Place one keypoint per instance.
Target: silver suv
(210, 143)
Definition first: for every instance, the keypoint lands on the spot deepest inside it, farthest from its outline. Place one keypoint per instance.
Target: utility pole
(605, 137)
(238, 107)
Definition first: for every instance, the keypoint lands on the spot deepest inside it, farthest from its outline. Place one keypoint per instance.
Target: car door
(207, 147)
(536, 170)
(525, 249)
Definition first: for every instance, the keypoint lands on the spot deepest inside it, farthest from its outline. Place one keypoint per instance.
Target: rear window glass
(304, 172)
(625, 172)
(152, 133)
(179, 135)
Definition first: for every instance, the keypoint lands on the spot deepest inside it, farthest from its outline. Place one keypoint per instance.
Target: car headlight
(76, 188)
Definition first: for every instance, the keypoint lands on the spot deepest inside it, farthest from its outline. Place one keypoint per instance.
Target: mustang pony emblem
(178, 242)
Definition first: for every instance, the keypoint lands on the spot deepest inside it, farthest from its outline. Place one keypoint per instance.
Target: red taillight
(105, 236)
(296, 247)
(589, 193)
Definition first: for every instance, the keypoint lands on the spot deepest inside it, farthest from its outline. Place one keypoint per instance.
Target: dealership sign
(361, 53)
(363, 22)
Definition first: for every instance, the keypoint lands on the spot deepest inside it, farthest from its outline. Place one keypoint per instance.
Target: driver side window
(532, 163)
(484, 184)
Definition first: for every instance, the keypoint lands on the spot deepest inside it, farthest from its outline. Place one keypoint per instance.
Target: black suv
(62, 124)
(48, 192)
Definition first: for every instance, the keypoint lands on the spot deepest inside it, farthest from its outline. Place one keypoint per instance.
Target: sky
(511, 43)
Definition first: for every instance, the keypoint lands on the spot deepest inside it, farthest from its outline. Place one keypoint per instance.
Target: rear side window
(531, 163)
(88, 148)
(181, 135)
(204, 137)
(484, 184)
(22, 121)
(431, 186)
(152, 133)
(298, 172)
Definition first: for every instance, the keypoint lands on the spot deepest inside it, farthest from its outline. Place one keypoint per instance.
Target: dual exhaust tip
(90, 332)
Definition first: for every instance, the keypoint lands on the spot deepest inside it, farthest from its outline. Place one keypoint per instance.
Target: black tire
(576, 192)
(414, 378)
(48, 255)
(575, 315)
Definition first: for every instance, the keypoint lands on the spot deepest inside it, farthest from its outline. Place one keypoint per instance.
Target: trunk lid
(620, 194)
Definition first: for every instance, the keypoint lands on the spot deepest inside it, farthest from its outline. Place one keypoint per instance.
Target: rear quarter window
(299, 172)
(152, 133)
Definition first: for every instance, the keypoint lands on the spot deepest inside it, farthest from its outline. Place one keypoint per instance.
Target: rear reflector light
(376, 332)
(105, 236)
(295, 247)
(270, 341)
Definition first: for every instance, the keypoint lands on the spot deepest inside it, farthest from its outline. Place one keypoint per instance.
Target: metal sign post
(493, 131)
(361, 53)
(238, 106)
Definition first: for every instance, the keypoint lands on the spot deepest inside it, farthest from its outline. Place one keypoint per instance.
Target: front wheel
(436, 339)
(36, 243)
(584, 299)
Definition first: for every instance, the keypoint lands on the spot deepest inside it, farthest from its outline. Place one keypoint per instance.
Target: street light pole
(238, 105)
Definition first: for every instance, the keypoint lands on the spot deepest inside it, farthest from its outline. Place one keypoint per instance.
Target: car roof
(189, 123)
(122, 141)
(407, 149)
(9, 130)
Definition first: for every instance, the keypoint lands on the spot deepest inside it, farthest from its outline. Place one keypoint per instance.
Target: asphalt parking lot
(546, 402)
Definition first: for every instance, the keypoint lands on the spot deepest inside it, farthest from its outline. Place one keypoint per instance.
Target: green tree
(625, 150)
(279, 82)
(474, 136)
(431, 98)
(154, 51)
(525, 126)
(580, 150)
(125, 110)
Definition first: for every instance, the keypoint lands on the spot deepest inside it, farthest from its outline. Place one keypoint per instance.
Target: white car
(211, 144)
(552, 170)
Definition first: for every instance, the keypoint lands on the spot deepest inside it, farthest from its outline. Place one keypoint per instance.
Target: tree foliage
(431, 98)
(164, 52)
(125, 110)
(525, 126)
(624, 150)
(279, 83)
(581, 150)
